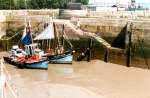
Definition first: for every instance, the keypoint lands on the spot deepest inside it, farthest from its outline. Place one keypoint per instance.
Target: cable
(11, 37)
(66, 38)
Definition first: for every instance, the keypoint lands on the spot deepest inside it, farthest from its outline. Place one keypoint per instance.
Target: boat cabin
(17, 52)
(33, 49)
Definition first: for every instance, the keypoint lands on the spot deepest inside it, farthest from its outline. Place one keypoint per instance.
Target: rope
(11, 37)
(66, 38)
(57, 35)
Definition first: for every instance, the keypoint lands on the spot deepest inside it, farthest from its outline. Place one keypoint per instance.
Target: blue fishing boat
(31, 57)
(42, 64)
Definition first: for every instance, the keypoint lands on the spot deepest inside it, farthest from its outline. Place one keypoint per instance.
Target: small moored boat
(63, 58)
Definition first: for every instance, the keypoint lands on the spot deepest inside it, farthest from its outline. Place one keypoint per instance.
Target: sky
(145, 3)
(114, 1)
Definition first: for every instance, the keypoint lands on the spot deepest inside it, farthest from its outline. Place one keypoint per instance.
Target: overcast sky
(114, 1)
(145, 3)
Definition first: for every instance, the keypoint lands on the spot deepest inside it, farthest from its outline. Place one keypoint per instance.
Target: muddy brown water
(59, 81)
(95, 79)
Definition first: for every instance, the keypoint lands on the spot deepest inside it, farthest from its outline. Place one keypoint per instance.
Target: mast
(58, 38)
(54, 26)
(63, 30)
(50, 23)
(27, 36)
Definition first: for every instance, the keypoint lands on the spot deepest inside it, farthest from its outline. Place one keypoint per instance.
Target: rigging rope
(66, 38)
(57, 35)
(11, 37)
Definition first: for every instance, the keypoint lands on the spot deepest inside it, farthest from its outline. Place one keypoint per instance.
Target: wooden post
(89, 50)
(63, 30)
(106, 57)
(129, 51)
(129, 44)
(7, 45)
(41, 42)
(55, 40)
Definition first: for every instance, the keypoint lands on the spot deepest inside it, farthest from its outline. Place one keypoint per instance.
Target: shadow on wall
(119, 41)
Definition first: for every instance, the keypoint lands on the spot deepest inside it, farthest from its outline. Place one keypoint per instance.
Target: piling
(63, 30)
(129, 44)
(89, 50)
(106, 56)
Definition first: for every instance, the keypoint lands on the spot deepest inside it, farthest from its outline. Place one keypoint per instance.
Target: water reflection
(65, 70)
(42, 75)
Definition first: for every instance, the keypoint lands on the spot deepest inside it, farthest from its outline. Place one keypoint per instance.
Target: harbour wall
(112, 30)
(113, 27)
(120, 14)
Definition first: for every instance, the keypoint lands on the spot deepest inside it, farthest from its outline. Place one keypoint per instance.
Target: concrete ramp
(101, 40)
(82, 33)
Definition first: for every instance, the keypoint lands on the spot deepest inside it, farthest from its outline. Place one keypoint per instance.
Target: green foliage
(21, 4)
(82, 1)
(7, 4)
(58, 3)
(33, 4)
(36, 4)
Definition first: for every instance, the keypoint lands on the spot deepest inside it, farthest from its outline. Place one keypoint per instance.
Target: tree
(22, 4)
(37, 4)
(33, 4)
(56, 3)
(41, 3)
(7, 4)
(85, 2)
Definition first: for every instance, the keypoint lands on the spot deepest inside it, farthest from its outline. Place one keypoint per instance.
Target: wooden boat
(56, 55)
(63, 58)
(32, 57)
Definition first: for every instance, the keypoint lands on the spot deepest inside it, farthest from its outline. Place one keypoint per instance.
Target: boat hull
(65, 58)
(17, 64)
(36, 65)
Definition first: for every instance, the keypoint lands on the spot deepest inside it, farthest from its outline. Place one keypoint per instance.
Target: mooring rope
(11, 37)
(66, 38)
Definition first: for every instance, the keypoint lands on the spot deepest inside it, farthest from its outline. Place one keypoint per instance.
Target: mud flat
(95, 79)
